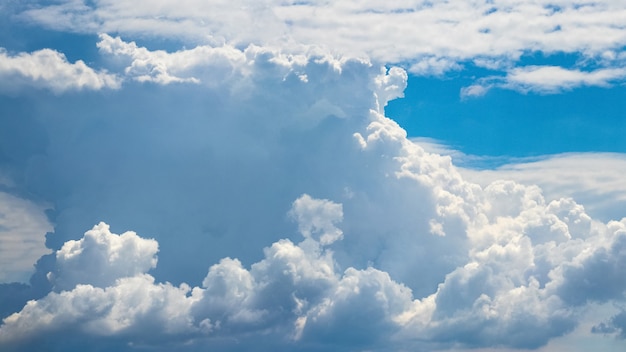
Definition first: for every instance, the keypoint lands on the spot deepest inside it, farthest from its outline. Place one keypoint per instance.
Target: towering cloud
(413, 250)
(284, 210)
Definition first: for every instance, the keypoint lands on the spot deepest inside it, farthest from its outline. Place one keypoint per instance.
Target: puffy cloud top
(396, 249)
(428, 38)
(50, 69)
(515, 292)
(101, 257)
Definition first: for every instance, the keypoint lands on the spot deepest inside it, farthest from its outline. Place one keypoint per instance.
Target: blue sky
(512, 124)
(307, 176)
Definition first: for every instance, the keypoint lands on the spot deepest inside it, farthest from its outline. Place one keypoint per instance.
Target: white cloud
(592, 179)
(399, 250)
(475, 90)
(433, 37)
(551, 79)
(291, 281)
(125, 308)
(101, 257)
(164, 68)
(428, 38)
(23, 225)
(49, 69)
(318, 218)
(545, 80)
(514, 290)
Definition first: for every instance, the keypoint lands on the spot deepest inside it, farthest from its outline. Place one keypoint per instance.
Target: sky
(312, 175)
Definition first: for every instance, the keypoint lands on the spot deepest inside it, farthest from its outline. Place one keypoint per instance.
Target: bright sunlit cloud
(50, 69)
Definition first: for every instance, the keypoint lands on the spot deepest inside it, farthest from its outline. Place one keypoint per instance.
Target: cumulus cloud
(318, 218)
(592, 179)
(431, 38)
(396, 249)
(294, 287)
(163, 68)
(109, 255)
(518, 289)
(494, 35)
(221, 174)
(49, 69)
(22, 225)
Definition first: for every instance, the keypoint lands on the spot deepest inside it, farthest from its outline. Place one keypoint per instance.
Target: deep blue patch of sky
(509, 123)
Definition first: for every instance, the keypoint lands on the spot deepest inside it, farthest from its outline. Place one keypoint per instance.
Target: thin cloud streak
(545, 80)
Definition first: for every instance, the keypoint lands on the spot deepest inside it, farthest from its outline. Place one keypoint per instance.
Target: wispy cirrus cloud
(545, 80)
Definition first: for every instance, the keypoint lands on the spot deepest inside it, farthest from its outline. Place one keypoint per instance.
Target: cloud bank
(526, 280)
(591, 179)
(427, 37)
(398, 252)
(283, 209)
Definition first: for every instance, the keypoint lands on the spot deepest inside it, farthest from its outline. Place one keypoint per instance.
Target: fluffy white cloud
(318, 218)
(101, 257)
(293, 284)
(49, 69)
(399, 249)
(592, 179)
(430, 37)
(126, 308)
(518, 289)
(164, 68)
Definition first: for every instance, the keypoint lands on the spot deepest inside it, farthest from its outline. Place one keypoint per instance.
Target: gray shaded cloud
(22, 224)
